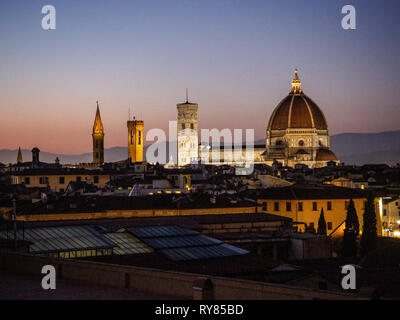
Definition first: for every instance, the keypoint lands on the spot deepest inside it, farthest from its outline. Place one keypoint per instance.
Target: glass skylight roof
(160, 231)
(180, 244)
(62, 239)
(180, 241)
(206, 252)
(127, 243)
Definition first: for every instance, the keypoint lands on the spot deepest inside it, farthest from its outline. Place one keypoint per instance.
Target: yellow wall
(132, 213)
(54, 180)
(135, 147)
(336, 216)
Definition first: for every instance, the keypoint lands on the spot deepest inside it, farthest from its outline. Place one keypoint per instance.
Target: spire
(296, 84)
(187, 96)
(19, 157)
(98, 125)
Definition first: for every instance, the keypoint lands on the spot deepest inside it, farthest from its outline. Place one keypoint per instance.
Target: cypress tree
(369, 235)
(321, 224)
(351, 231)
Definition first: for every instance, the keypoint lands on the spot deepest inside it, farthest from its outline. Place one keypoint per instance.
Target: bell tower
(188, 151)
(135, 140)
(98, 139)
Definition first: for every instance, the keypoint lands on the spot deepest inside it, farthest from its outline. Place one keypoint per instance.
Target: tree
(369, 235)
(351, 231)
(321, 224)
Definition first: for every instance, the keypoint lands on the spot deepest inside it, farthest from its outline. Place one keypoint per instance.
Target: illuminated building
(135, 140)
(98, 139)
(187, 133)
(297, 131)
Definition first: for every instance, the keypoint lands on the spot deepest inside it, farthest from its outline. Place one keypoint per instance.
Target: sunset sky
(236, 57)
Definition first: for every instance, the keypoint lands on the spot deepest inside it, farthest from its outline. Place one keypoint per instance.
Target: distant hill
(352, 148)
(390, 157)
(345, 144)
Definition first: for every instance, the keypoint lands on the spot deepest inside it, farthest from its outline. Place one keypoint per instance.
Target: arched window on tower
(139, 137)
(131, 136)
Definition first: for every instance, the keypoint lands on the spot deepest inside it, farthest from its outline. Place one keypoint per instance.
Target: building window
(384, 212)
(183, 126)
(43, 180)
(346, 205)
(192, 126)
(96, 179)
(139, 137)
(62, 180)
(27, 180)
(131, 136)
(78, 179)
(329, 225)
(288, 206)
(314, 206)
(276, 206)
(311, 225)
(300, 206)
(264, 207)
(329, 206)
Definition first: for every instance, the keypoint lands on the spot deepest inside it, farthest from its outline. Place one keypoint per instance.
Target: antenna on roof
(129, 113)
(187, 96)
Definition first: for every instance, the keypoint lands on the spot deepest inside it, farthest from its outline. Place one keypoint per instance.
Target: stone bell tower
(135, 140)
(188, 151)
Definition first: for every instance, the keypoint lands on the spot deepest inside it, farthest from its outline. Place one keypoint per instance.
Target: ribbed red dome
(297, 111)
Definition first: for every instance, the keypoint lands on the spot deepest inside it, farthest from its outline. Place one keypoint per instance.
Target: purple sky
(236, 58)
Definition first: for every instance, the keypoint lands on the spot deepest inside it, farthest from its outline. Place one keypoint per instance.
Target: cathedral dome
(297, 111)
(325, 155)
